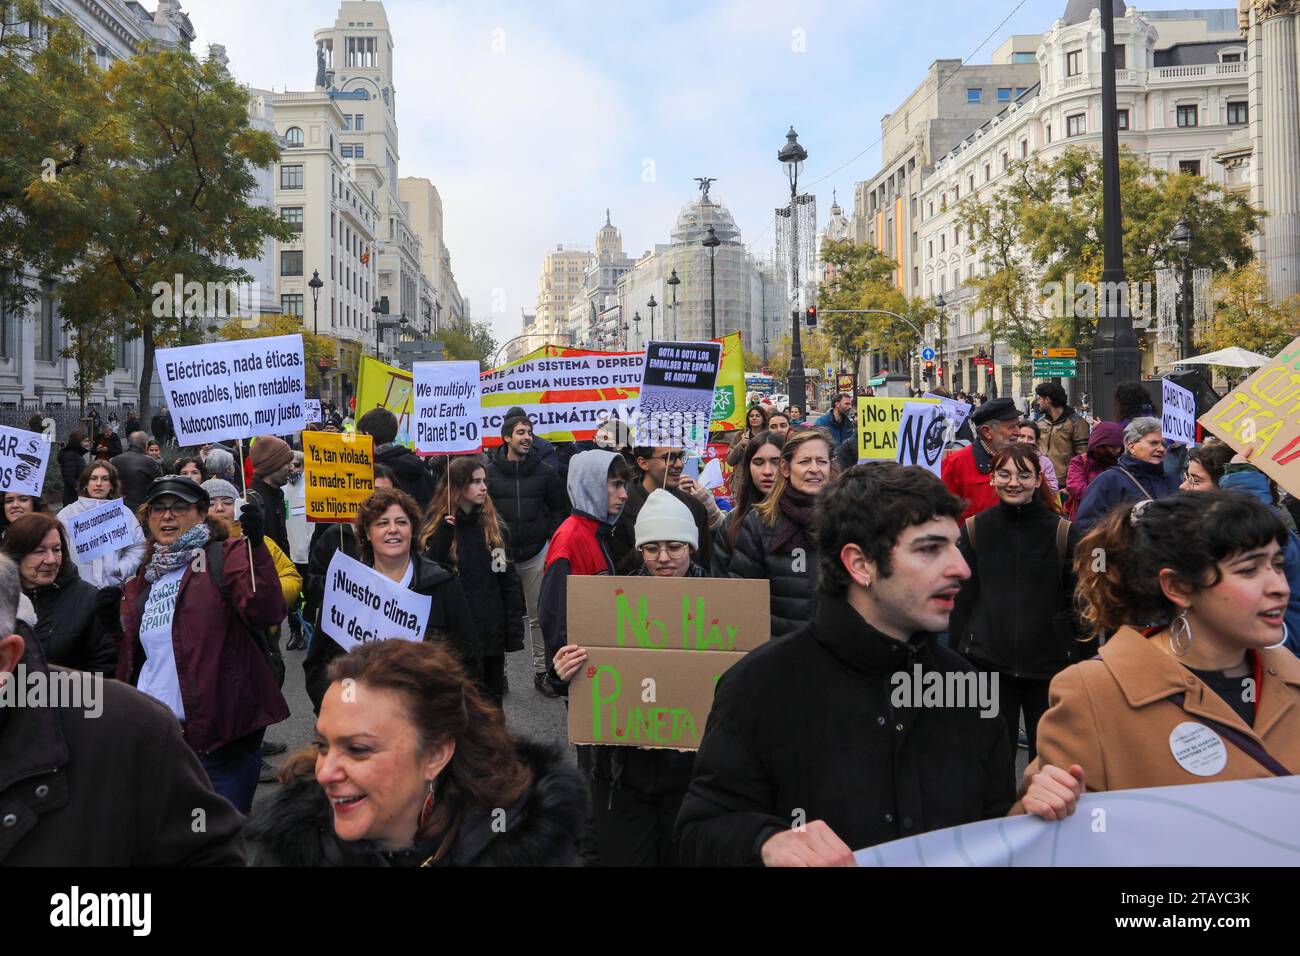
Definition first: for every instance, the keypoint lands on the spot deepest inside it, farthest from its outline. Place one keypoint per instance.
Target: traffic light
(810, 317)
(988, 370)
(928, 374)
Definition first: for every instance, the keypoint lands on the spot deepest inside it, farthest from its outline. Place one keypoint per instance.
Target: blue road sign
(927, 355)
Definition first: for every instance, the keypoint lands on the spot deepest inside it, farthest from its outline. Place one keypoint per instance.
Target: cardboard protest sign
(448, 411)
(921, 436)
(361, 605)
(235, 389)
(956, 412)
(311, 410)
(23, 457)
(878, 422)
(338, 474)
(655, 649)
(1178, 414)
(676, 402)
(1264, 411)
(100, 530)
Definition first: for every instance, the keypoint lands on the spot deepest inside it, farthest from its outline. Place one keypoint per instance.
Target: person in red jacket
(598, 489)
(966, 472)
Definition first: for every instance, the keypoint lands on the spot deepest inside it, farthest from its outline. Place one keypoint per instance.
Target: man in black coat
(106, 780)
(823, 743)
(408, 468)
(272, 460)
(530, 498)
(137, 470)
(660, 468)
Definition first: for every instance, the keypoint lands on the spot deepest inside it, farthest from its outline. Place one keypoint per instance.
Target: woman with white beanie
(637, 791)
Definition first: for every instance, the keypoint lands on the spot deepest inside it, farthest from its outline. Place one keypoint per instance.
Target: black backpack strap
(1244, 743)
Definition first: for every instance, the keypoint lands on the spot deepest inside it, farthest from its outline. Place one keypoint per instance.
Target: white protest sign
(361, 605)
(711, 476)
(100, 531)
(921, 436)
(311, 410)
(448, 407)
(1178, 416)
(1237, 823)
(234, 389)
(23, 457)
(956, 412)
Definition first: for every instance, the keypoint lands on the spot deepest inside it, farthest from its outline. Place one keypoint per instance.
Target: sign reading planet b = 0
(448, 410)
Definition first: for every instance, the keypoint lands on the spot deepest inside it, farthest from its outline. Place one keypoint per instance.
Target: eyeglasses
(176, 508)
(675, 549)
(672, 457)
(1192, 481)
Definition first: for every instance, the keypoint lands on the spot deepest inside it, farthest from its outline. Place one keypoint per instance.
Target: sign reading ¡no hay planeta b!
(1264, 411)
(655, 649)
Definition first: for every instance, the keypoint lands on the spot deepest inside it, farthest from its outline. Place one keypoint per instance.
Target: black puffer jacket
(1013, 614)
(792, 578)
(449, 620)
(530, 498)
(66, 624)
(137, 471)
(294, 828)
(496, 599)
(72, 458)
(409, 471)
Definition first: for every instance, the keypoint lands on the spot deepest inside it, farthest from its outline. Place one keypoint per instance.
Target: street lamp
(792, 157)
(625, 328)
(315, 285)
(941, 304)
(653, 305)
(636, 317)
(1181, 238)
(711, 242)
(673, 283)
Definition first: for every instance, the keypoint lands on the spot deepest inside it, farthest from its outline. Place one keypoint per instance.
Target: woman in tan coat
(1207, 697)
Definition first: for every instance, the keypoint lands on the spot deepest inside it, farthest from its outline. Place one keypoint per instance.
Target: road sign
(1054, 353)
(1055, 363)
(927, 355)
(982, 361)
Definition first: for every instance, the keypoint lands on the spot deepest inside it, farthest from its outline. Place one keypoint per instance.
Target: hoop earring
(426, 811)
(1281, 643)
(1180, 641)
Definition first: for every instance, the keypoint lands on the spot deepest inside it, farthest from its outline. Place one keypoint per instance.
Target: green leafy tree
(470, 342)
(314, 347)
(125, 179)
(1245, 315)
(814, 345)
(861, 278)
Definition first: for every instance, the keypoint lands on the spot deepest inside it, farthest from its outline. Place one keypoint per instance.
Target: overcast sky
(533, 117)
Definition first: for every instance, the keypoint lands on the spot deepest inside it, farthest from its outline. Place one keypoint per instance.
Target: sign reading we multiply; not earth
(655, 649)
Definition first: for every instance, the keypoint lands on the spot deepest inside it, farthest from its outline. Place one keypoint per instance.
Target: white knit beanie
(664, 518)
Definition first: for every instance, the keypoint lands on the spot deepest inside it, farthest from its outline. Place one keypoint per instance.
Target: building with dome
(598, 293)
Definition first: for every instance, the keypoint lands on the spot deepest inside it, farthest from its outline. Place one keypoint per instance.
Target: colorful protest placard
(338, 474)
(676, 400)
(655, 649)
(235, 389)
(99, 531)
(1177, 413)
(956, 412)
(448, 410)
(23, 458)
(386, 386)
(878, 422)
(312, 410)
(361, 605)
(921, 436)
(1264, 412)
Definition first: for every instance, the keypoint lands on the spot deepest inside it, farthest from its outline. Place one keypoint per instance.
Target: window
(332, 215)
(1005, 161)
(1048, 130)
(1020, 91)
(1023, 58)
(930, 214)
(1072, 63)
(971, 180)
(291, 177)
(1121, 57)
(988, 171)
(360, 122)
(1238, 114)
(973, 96)
(5, 278)
(1230, 58)
(1121, 119)
(1076, 125)
(347, 120)
(45, 323)
(360, 51)
(291, 305)
(291, 216)
(359, 151)
(1190, 166)
(1187, 116)
(1024, 148)
(291, 262)
(929, 249)
(345, 152)
(1004, 94)
(293, 136)
(943, 242)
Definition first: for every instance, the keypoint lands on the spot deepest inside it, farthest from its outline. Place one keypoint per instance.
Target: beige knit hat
(664, 518)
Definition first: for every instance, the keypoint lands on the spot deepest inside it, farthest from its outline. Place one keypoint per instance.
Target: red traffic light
(810, 316)
(929, 365)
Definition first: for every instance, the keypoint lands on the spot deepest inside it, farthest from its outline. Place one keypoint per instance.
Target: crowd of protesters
(872, 569)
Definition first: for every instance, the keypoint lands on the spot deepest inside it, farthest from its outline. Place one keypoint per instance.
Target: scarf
(173, 557)
(797, 509)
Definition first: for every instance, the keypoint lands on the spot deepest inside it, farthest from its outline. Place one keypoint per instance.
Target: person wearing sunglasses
(188, 633)
(660, 468)
(636, 792)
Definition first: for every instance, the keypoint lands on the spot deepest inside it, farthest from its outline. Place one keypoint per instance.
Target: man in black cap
(966, 472)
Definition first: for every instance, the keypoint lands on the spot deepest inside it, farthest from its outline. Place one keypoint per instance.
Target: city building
(560, 285)
(424, 209)
(599, 290)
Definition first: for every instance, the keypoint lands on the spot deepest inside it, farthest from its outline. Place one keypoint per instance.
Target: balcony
(1170, 75)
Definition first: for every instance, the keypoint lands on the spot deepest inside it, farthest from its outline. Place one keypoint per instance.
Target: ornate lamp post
(711, 242)
(653, 305)
(1181, 237)
(673, 283)
(315, 285)
(792, 157)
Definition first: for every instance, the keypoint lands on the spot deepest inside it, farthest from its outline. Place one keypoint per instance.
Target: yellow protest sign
(1264, 411)
(878, 421)
(339, 471)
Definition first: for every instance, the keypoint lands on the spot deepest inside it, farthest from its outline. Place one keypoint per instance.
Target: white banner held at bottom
(361, 605)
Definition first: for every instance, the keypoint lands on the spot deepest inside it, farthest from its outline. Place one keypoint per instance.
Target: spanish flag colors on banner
(565, 399)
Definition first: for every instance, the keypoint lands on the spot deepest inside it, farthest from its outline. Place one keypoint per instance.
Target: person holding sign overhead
(1207, 695)
(99, 483)
(189, 621)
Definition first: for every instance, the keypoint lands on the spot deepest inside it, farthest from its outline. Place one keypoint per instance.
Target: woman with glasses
(1013, 614)
(192, 622)
(99, 484)
(751, 483)
(636, 792)
(775, 539)
(1139, 474)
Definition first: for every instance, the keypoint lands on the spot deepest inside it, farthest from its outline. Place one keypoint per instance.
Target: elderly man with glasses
(660, 467)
